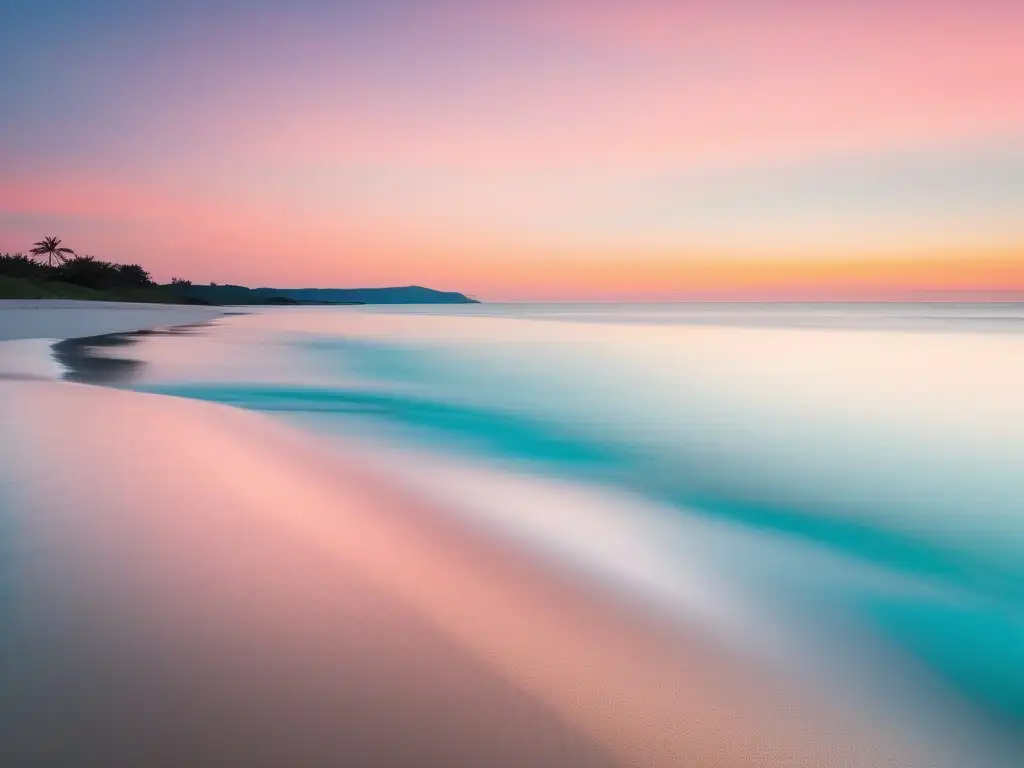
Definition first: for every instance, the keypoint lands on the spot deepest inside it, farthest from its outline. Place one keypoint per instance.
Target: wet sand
(194, 585)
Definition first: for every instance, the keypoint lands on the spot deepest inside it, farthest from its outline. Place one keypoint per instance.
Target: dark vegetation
(66, 275)
(53, 271)
(237, 294)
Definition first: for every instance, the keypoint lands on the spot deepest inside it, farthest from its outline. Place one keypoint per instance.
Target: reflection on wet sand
(212, 590)
(92, 359)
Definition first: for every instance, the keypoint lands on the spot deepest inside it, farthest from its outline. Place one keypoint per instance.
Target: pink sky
(503, 151)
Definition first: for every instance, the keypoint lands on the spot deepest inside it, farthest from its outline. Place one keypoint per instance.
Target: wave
(677, 480)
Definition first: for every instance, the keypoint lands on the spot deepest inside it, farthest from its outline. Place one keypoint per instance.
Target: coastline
(22, 319)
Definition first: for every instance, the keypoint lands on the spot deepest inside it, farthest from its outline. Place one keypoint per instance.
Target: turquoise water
(838, 490)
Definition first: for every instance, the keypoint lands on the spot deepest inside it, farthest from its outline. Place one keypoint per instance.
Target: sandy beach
(52, 319)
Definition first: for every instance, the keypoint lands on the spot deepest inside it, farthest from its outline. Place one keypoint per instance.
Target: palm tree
(50, 248)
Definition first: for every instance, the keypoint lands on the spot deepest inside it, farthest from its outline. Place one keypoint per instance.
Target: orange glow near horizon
(557, 150)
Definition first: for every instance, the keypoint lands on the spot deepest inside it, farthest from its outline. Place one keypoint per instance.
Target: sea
(834, 491)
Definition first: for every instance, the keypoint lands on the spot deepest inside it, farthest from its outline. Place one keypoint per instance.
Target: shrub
(132, 276)
(20, 265)
(180, 282)
(88, 272)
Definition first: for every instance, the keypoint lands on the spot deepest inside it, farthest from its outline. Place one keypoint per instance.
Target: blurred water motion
(830, 496)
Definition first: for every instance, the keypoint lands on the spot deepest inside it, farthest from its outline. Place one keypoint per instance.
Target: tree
(20, 265)
(89, 272)
(133, 276)
(50, 247)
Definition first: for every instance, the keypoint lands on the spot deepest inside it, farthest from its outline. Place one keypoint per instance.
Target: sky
(529, 150)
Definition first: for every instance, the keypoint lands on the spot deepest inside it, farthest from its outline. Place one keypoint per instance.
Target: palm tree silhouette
(50, 248)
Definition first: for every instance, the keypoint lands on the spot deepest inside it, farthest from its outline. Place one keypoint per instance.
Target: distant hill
(237, 294)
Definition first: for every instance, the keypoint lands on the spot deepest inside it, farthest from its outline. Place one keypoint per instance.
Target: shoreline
(59, 320)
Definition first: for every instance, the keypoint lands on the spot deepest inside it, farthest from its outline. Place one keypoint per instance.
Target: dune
(55, 319)
(191, 584)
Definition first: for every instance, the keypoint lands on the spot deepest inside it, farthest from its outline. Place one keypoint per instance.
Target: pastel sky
(537, 149)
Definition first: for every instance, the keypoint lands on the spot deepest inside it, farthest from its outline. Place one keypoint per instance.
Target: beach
(541, 384)
(192, 583)
(56, 319)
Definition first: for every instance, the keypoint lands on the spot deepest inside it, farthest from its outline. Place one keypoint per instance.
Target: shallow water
(833, 491)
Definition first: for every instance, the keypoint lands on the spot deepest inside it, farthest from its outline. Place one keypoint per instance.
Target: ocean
(833, 492)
